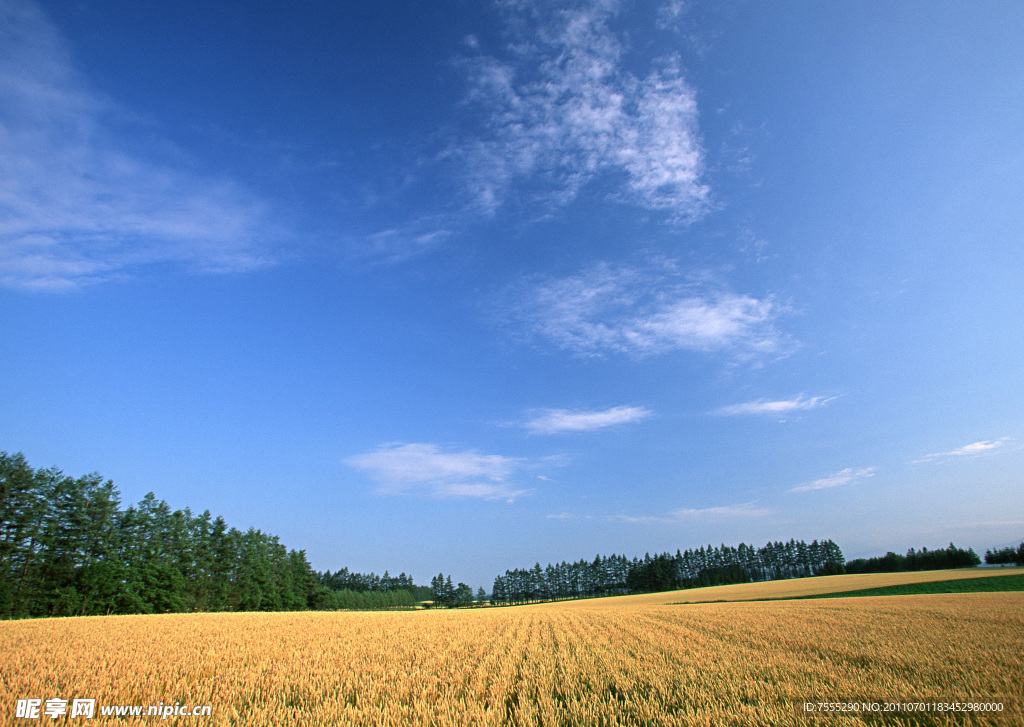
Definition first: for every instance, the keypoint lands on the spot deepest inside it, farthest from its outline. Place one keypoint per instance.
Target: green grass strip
(983, 584)
(987, 584)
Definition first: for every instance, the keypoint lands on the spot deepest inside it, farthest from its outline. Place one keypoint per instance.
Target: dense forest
(68, 549)
(923, 559)
(617, 574)
(443, 593)
(1005, 556)
(358, 591)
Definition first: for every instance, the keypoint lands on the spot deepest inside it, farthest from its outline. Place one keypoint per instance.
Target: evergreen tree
(67, 548)
(463, 595)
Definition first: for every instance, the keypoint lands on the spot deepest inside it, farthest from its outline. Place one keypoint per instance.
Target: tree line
(443, 593)
(68, 549)
(345, 580)
(348, 600)
(1005, 556)
(923, 559)
(617, 574)
(349, 590)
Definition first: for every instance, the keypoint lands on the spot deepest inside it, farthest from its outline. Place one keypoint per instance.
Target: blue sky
(463, 286)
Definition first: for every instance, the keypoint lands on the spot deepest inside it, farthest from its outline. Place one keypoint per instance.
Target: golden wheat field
(795, 587)
(584, 663)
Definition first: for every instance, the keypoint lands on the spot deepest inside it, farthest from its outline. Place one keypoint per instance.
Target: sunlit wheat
(585, 663)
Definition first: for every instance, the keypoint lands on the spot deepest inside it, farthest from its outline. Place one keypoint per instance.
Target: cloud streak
(764, 407)
(565, 516)
(425, 469)
(843, 477)
(722, 512)
(81, 209)
(557, 421)
(746, 509)
(643, 312)
(561, 110)
(968, 450)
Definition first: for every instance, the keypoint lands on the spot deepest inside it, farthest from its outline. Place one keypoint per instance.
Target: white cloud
(843, 477)
(643, 312)
(79, 206)
(745, 509)
(775, 408)
(482, 490)
(555, 421)
(670, 13)
(405, 242)
(562, 109)
(967, 450)
(722, 512)
(425, 469)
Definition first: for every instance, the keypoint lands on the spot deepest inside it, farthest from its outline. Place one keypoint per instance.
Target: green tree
(463, 595)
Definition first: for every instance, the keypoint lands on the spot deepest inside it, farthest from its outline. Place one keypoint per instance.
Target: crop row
(711, 664)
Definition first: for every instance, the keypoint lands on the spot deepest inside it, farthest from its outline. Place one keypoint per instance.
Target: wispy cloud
(425, 469)
(644, 311)
(404, 242)
(561, 108)
(79, 206)
(556, 421)
(722, 512)
(746, 509)
(968, 450)
(775, 407)
(843, 477)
